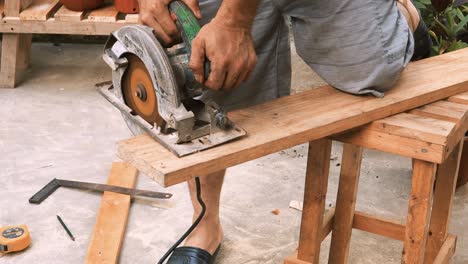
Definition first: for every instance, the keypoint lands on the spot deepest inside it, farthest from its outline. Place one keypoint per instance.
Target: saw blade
(139, 93)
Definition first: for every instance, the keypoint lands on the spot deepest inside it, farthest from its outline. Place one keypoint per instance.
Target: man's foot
(208, 235)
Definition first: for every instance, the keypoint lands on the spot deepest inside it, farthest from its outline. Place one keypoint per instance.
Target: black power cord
(194, 225)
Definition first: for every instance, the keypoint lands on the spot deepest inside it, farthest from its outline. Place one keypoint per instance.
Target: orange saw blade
(138, 91)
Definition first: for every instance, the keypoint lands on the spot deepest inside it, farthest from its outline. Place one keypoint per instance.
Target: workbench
(21, 18)
(317, 116)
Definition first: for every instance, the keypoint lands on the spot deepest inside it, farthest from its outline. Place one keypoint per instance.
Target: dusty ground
(56, 125)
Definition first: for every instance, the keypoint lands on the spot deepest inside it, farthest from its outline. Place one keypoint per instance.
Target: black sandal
(192, 255)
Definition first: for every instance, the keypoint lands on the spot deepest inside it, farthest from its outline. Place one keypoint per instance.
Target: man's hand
(227, 43)
(231, 53)
(155, 14)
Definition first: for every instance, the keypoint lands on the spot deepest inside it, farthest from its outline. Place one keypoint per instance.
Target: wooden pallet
(21, 18)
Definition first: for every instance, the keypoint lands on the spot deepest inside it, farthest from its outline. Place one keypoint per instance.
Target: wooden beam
(345, 204)
(303, 117)
(112, 218)
(446, 251)
(316, 184)
(64, 14)
(40, 10)
(379, 226)
(446, 182)
(419, 212)
(107, 13)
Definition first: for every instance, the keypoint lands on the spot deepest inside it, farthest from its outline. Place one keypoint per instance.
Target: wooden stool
(432, 136)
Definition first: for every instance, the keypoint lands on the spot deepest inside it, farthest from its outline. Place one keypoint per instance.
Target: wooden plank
(413, 126)
(2, 6)
(107, 13)
(442, 204)
(447, 250)
(316, 183)
(379, 226)
(40, 10)
(419, 212)
(9, 60)
(328, 221)
(64, 14)
(463, 171)
(51, 26)
(14, 7)
(443, 110)
(300, 118)
(112, 217)
(345, 204)
(402, 146)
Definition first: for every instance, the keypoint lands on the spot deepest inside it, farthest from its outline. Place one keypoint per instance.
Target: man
(357, 46)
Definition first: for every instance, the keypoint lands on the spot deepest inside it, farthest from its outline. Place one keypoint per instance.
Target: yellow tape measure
(14, 238)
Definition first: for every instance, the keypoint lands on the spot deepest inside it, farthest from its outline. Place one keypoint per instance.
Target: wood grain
(345, 204)
(300, 118)
(419, 212)
(316, 185)
(40, 10)
(378, 225)
(111, 221)
(442, 206)
(64, 14)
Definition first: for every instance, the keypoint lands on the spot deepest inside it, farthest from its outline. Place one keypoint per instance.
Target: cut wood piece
(131, 18)
(459, 98)
(107, 13)
(64, 14)
(443, 110)
(1, 8)
(379, 226)
(14, 7)
(297, 119)
(316, 185)
(10, 60)
(40, 10)
(417, 127)
(419, 212)
(345, 204)
(442, 206)
(111, 221)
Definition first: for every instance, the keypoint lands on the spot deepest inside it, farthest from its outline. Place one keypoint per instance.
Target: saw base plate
(170, 140)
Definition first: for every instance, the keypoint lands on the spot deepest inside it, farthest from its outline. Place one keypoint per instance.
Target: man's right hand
(155, 14)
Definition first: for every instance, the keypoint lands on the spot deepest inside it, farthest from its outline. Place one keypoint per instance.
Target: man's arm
(155, 14)
(227, 43)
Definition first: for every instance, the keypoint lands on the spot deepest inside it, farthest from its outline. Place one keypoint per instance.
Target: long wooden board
(301, 118)
(64, 14)
(112, 218)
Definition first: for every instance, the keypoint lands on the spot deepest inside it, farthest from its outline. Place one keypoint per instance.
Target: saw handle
(188, 27)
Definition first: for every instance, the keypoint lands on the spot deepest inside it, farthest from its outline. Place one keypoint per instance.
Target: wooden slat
(107, 13)
(51, 26)
(64, 14)
(417, 127)
(14, 7)
(345, 204)
(2, 5)
(379, 226)
(443, 110)
(402, 146)
(459, 98)
(131, 18)
(442, 206)
(419, 212)
(300, 118)
(111, 221)
(315, 193)
(327, 225)
(447, 250)
(40, 10)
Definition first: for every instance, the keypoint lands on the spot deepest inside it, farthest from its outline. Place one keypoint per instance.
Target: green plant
(447, 22)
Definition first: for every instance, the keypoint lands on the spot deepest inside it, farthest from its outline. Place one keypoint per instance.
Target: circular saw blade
(138, 91)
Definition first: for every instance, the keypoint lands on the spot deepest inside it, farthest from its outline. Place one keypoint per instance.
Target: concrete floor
(56, 125)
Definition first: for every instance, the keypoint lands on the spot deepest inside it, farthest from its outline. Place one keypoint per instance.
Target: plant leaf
(458, 3)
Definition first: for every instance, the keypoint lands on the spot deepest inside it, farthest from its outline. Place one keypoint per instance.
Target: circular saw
(156, 90)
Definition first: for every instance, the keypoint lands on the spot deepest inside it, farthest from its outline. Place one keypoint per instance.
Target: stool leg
(419, 211)
(442, 205)
(345, 204)
(316, 184)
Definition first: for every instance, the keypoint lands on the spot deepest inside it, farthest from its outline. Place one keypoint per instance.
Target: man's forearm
(237, 13)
